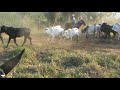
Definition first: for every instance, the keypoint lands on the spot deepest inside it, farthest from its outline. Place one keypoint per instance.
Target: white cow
(92, 29)
(116, 27)
(71, 32)
(54, 31)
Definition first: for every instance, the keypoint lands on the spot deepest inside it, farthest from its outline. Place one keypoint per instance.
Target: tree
(51, 17)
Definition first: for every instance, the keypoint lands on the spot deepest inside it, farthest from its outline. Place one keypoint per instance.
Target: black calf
(1, 38)
(16, 32)
(107, 29)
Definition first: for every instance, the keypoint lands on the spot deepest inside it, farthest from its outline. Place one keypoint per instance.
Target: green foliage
(42, 19)
(72, 62)
(65, 64)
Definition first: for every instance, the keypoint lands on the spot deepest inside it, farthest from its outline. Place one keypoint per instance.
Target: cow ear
(11, 63)
(5, 27)
(2, 74)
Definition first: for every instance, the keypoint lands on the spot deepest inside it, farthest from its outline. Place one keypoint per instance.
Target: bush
(72, 62)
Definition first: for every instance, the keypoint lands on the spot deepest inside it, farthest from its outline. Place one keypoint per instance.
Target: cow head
(3, 29)
(85, 29)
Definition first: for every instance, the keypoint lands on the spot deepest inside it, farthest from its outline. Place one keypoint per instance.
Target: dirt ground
(40, 39)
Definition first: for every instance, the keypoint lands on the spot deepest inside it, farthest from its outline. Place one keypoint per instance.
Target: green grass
(55, 62)
(59, 63)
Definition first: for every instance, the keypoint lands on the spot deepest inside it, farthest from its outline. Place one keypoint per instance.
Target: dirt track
(87, 44)
(83, 43)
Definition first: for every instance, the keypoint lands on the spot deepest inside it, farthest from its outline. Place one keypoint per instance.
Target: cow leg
(49, 38)
(1, 38)
(8, 41)
(25, 38)
(118, 36)
(109, 35)
(30, 40)
(15, 41)
(99, 34)
(53, 40)
(71, 38)
(87, 36)
(114, 33)
(105, 35)
(78, 38)
(60, 39)
(63, 40)
(94, 33)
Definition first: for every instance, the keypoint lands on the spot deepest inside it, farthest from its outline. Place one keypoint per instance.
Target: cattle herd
(103, 30)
